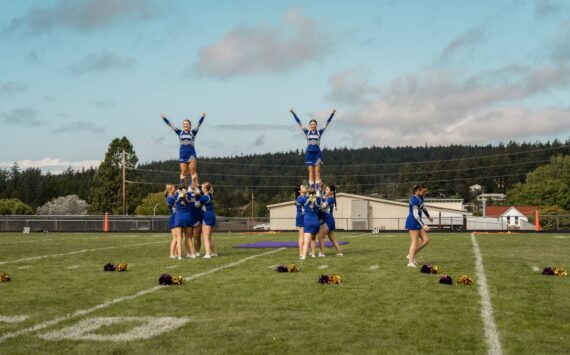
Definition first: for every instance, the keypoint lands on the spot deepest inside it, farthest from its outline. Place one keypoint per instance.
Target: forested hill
(384, 171)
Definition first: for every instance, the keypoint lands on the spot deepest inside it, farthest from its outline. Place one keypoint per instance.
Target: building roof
(374, 199)
(497, 211)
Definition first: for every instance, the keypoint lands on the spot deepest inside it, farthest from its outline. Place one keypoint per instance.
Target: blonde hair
(168, 188)
(208, 187)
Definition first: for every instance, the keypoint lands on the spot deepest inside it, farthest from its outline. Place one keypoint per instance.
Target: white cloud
(264, 49)
(54, 165)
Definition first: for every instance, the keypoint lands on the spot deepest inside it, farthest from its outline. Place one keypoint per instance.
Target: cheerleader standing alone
(415, 225)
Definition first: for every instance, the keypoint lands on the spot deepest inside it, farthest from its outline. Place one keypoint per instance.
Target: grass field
(60, 300)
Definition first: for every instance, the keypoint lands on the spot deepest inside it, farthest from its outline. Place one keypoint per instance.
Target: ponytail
(333, 190)
(417, 187)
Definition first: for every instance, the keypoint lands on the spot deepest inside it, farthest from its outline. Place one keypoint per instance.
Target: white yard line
(78, 252)
(84, 312)
(491, 333)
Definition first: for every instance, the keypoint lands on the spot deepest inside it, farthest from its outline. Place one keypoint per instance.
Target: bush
(67, 205)
(13, 206)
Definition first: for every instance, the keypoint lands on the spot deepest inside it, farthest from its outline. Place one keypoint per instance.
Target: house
(512, 216)
(358, 212)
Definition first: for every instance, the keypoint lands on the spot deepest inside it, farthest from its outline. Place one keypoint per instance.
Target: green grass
(251, 309)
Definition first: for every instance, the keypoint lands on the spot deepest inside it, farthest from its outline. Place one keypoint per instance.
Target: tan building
(357, 212)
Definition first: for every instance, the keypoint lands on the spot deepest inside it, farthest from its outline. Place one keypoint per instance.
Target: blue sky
(74, 74)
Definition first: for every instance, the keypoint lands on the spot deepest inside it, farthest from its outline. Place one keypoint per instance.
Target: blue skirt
(299, 220)
(330, 223)
(311, 225)
(209, 218)
(187, 154)
(171, 221)
(412, 224)
(313, 158)
(182, 219)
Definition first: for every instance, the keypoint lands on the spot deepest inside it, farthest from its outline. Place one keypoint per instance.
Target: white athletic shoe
(313, 256)
(172, 257)
(179, 258)
(207, 256)
(301, 258)
(321, 255)
(415, 261)
(191, 256)
(412, 265)
(339, 254)
(197, 254)
(214, 254)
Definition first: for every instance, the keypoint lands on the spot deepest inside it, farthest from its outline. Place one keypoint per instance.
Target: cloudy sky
(74, 74)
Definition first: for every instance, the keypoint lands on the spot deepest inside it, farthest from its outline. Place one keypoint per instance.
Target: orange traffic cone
(106, 225)
(537, 222)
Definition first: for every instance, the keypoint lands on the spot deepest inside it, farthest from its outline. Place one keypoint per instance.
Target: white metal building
(357, 212)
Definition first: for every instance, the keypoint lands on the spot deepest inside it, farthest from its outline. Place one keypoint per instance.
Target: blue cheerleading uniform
(183, 216)
(195, 212)
(313, 154)
(207, 206)
(417, 209)
(187, 139)
(327, 207)
(170, 201)
(311, 221)
(300, 217)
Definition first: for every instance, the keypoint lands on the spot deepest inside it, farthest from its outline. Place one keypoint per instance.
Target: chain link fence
(549, 223)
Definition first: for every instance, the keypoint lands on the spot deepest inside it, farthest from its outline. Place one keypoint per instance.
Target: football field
(60, 300)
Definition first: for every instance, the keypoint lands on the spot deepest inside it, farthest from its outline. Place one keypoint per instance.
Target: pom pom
(426, 269)
(465, 280)
(165, 279)
(559, 271)
(177, 280)
(4, 277)
(446, 280)
(109, 267)
(335, 279)
(324, 279)
(548, 271)
(122, 267)
(292, 268)
(282, 268)
(434, 269)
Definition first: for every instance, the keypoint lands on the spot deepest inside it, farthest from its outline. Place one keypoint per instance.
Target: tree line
(385, 172)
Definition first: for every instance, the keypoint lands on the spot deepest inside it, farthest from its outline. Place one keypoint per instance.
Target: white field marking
(355, 236)
(374, 267)
(26, 241)
(114, 301)
(24, 267)
(151, 327)
(322, 267)
(13, 319)
(535, 269)
(76, 252)
(172, 266)
(72, 267)
(491, 334)
(561, 237)
(272, 266)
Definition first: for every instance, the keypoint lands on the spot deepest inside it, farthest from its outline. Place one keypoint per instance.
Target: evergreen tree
(106, 190)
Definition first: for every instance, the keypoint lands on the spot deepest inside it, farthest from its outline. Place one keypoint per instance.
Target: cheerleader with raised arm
(187, 155)
(313, 156)
(415, 225)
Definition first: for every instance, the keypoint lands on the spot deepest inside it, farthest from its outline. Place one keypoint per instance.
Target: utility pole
(124, 168)
(252, 207)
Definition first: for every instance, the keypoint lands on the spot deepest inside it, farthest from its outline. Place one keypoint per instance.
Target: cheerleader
(311, 205)
(328, 226)
(414, 224)
(206, 204)
(187, 155)
(197, 216)
(313, 157)
(183, 219)
(301, 190)
(170, 201)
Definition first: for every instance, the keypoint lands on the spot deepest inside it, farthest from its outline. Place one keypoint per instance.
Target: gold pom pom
(177, 280)
(122, 267)
(4, 277)
(434, 269)
(464, 280)
(292, 268)
(335, 279)
(560, 271)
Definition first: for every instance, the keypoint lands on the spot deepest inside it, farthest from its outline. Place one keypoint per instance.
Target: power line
(355, 175)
